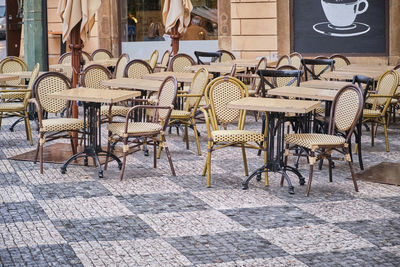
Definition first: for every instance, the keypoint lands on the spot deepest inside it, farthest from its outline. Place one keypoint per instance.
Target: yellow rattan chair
(139, 132)
(10, 65)
(381, 100)
(186, 117)
(179, 62)
(120, 66)
(226, 56)
(101, 54)
(219, 93)
(153, 59)
(54, 127)
(137, 68)
(20, 109)
(91, 77)
(346, 110)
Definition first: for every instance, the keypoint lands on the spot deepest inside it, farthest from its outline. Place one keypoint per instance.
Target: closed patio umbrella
(176, 18)
(77, 18)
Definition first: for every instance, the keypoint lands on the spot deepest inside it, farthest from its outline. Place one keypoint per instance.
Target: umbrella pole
(76, 49)
(175, 39)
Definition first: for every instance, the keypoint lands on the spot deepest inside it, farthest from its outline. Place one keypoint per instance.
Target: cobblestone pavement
(152, 218)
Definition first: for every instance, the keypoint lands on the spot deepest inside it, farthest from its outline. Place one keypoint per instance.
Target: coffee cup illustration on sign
(341, 16)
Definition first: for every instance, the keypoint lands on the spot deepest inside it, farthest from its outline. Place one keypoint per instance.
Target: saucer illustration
(355, 29)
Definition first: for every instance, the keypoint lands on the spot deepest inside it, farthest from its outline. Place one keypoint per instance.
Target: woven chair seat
(134, 128)
(115, 110)
(236, 136)
(61, 124)
(180, 114)
(12, 95)
(11, 106)
(313, 141)
(371, 113)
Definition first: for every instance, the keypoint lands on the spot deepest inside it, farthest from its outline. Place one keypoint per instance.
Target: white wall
(143, 50)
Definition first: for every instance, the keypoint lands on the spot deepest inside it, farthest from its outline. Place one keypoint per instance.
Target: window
(141, 20)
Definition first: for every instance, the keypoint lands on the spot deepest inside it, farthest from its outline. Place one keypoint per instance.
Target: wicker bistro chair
(219, 93)
(101, 54)
(214, 56)
(20, 109)
(153, 59)
(316, 67)
(378, 113)
(164, 61)
(179, 62)
(295, 59)
(65, 58)
(123, 131)
(255, 82)
(226, 56)
(53, 128)
(137, 68)
(91, 77)
(283, 60)
(9, 65)
(120, 66)
(187, 116)
(340, 61)
(345, 112)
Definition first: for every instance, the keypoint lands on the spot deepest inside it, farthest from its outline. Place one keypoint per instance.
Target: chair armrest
(377, 95)
(13, 86)
(38, 110)
(189, 95)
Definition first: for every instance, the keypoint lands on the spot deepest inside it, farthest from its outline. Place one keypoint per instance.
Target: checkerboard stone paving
(154, 219)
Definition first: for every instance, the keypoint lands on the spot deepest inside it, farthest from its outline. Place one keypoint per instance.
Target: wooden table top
(26, 74)
(323, 84)
(95, 95)
(244, 63)
(223, 69)
(366, 67)
(304, 92)
(8, 77)
(184, 77)
(348, 75)
(274, 105)
(129, 83)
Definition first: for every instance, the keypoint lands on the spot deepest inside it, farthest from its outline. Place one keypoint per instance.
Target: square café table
(92, 99)
(275, 110)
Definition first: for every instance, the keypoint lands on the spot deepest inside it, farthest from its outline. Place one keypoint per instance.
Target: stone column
(224, 25)
(35, 28)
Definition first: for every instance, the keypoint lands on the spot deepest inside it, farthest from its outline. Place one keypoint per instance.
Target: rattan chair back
(86, 56)
(283, 60)
(179, 62)
(295, 60)
(48, 83)
(340, 61)
(256, 82)
(13, 64)
(93, 75)
(120, 66)
(346, 110)
(226, 56)
(65, 58)
(219, 93)
(197, 87)
(166, 97)
(387, 85)
(153, 59)
(34, 75)
(165, 60)
(137, 68)
(314, 68)
(101, 54)
(213, 56)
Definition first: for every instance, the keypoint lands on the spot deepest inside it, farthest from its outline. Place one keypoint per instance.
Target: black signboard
(340, 26)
